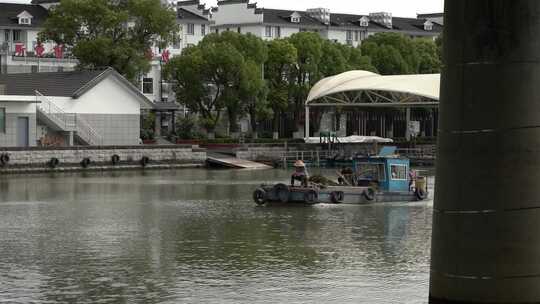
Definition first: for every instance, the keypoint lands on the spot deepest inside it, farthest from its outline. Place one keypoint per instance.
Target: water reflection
(194, 236)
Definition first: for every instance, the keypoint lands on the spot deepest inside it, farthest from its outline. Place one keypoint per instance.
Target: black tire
(336, 197)
(85, 163)
(145, 160)
(53, 162)
(311, 197)
(420, 194)
(282, 192)
(259, 196)
(369, 194)
(115, 159)
(4, 159)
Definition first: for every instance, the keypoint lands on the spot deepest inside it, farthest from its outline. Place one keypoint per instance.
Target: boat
(385, 177)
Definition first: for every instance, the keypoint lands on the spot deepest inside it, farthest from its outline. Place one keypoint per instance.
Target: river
(195, 236)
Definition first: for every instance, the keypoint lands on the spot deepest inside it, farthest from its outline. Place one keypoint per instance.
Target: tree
(193, 87)
(111, 33)
(282, 58)
(309, 47)
(429, 56)
(392, 53)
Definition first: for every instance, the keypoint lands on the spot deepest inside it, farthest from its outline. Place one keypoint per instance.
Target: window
(24, 20)
(191, 29)
(278, 31)
(6, 35)
(239, 30)
(60, 69)
(148, 86)
(295, 19)
(203, 29)
(268, 31)
(364, 22)
(399, 172)
(356, 35)
(16, 35)
(370, 171)
(428, 26)
(2, 120)
(349, 35)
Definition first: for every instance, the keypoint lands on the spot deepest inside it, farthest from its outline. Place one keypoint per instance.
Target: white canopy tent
(352, 89)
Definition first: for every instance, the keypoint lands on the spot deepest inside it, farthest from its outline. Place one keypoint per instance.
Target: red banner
(165, 55)
(39, 49)
(59, 51)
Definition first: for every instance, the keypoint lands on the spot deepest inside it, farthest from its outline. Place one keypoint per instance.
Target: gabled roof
(62, 84)
(184, 14)
(10, 11)
(278, 16)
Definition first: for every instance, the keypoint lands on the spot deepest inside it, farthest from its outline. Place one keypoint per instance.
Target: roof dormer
(295, 17)
(25, 18)
(364, 21)
(428, 25)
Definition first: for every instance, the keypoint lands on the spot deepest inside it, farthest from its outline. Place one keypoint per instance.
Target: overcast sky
(401, 8)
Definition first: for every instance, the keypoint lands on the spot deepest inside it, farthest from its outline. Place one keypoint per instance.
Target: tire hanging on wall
(53, 162)
(4, 159)
(85, 163)
(145, 160)
(115, 159)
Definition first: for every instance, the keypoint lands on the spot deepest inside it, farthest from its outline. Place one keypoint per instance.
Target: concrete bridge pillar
(486, 224)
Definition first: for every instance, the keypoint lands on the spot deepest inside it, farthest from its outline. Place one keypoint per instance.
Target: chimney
(321, 14)
(382, 18)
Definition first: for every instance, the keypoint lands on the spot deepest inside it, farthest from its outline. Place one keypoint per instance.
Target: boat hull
(330, 195)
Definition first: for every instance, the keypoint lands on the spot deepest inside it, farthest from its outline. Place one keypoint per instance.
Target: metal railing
(424, 152)
(69, 122)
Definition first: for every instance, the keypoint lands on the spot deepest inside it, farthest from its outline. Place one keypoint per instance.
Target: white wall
(19, 107)
(236, 13)
(110, 96)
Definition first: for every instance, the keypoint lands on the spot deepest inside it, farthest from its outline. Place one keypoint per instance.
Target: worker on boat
(300, 174)
(412, 179)
(345, 176)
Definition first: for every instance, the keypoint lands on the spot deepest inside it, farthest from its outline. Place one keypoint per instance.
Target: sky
(399, 8)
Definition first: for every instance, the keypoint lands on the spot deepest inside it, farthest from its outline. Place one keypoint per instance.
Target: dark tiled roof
(64, 84)
(283, 16)
(345, 19)
(187, 15)
(434, 15)
(9, 12)
(44, 1)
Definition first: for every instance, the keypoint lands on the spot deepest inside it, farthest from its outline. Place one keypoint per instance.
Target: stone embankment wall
(101, 156)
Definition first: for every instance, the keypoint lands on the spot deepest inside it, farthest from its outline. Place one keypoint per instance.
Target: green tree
(282, 58)
(309, 47)
(193, 86)
(111, 33)
(429, 57)
(392, 53)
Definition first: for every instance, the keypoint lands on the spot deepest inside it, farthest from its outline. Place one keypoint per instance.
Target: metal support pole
(407, 121)
(486, 220)
(307, 123)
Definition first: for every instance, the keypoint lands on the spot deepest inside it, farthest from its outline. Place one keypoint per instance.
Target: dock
(233, 162)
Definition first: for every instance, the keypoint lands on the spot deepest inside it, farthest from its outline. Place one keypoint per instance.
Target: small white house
(67, 108)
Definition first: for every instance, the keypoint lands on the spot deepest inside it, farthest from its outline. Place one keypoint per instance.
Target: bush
(147, 127)
(186, 128)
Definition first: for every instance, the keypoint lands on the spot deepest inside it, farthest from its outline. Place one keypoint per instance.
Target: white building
(19, 49)
(66, 108)
(351, 29)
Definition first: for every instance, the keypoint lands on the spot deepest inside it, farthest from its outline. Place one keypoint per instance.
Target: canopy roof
(423, 85)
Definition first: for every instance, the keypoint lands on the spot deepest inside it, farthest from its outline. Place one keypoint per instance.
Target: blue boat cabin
(386, 171)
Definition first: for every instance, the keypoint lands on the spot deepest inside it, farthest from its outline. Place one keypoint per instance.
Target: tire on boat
(369, 194)
(259, 196)
(420, 194)
(337, 197)
(311, 197)
(282, 192)
(85, 162)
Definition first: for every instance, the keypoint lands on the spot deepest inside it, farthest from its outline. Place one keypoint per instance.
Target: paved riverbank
(31, 160)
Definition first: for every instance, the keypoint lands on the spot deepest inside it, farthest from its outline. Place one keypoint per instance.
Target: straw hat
(299, 164)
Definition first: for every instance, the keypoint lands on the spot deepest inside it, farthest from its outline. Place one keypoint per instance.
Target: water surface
(195, 236)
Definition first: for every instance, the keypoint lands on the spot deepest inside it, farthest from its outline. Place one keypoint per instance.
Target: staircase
(55, 118)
